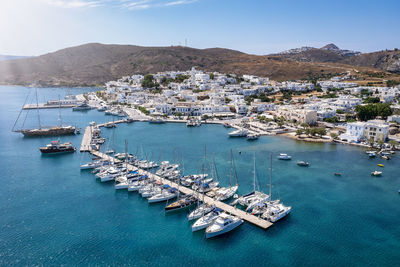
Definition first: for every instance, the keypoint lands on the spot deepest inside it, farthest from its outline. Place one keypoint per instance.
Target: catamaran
(225, 193)
(275, 210)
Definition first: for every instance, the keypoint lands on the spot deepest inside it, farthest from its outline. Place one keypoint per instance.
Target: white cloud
(134, 5)
(179, 2)
(74, 3)
(124, 4)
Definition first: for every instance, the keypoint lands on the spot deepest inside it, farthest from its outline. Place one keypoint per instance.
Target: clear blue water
(52, 213)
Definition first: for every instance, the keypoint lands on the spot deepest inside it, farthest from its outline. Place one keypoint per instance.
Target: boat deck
(227, 208)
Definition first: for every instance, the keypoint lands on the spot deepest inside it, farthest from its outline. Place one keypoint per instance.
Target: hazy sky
(34, 27)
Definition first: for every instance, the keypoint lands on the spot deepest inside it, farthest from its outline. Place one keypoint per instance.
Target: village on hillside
(337, 109)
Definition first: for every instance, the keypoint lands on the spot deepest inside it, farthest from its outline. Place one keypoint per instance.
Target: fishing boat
(223, 224)
(55, 148)
(238, 133)
(371, 154)
(303, 163)
(385, 157)
(284, 156)
(206, 220)
(376, 173)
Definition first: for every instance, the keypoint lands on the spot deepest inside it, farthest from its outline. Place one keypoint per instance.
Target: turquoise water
(52, 213)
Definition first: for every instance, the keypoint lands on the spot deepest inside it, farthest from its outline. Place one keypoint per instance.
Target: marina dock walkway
(187, 191)
(86, 140)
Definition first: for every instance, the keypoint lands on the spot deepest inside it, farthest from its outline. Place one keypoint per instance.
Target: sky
(35, 27)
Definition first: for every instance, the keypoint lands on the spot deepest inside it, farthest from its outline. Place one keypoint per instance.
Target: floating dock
(187, 191)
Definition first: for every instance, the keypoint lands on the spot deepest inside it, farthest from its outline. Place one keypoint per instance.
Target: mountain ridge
(94, 64)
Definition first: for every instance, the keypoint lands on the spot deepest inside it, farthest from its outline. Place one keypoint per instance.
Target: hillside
(94, 64)
(385, 60)
(388, 60)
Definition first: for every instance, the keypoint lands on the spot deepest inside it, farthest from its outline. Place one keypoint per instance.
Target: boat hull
(48, 132)
(225, 230)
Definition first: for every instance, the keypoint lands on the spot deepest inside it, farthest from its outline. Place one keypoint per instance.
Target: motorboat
(200, 211)
(82, 106)
(239, 133)
(206, 220)
(92, 165)
(303, 163)
(223, 224)
(252, 136)
(56, 148)
(381, 165)
(376, 173)
(276, 212)
(283, 156)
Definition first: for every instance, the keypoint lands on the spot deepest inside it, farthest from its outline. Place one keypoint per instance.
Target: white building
(364, 131)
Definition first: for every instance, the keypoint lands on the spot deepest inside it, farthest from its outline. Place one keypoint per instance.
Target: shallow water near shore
(52, 213)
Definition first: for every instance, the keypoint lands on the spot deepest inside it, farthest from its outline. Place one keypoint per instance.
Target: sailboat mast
(59, 111)
(37, 108)
(270, 179)
(254, 172)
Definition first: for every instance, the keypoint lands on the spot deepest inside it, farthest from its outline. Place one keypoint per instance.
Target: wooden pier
(187, 191)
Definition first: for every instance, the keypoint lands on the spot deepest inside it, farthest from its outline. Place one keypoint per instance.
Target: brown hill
(388, 60)
(94, 64)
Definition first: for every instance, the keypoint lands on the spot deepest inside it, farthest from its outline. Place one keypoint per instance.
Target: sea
(52, 213)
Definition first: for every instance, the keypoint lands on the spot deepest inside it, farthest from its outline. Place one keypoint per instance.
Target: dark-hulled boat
(56, 147)
(181, 203)
(51, 131)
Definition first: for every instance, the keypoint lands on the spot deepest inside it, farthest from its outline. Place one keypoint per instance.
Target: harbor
(49, 198)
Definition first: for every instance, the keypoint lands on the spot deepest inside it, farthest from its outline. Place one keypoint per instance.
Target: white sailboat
(225, 193)
(274, 211)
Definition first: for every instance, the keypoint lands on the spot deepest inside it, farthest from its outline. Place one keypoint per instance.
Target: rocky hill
(94, 64)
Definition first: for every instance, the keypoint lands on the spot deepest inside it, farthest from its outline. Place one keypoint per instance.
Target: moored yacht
(223, 224)
(200, 211)
(206, 220)
(239, 133)
(275, 212)
(283, 156)
(55, 147)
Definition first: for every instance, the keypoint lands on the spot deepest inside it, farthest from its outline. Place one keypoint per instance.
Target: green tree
(299, 131)
(212, 76)
(334, 136)
(148, 81)
(384, 110)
